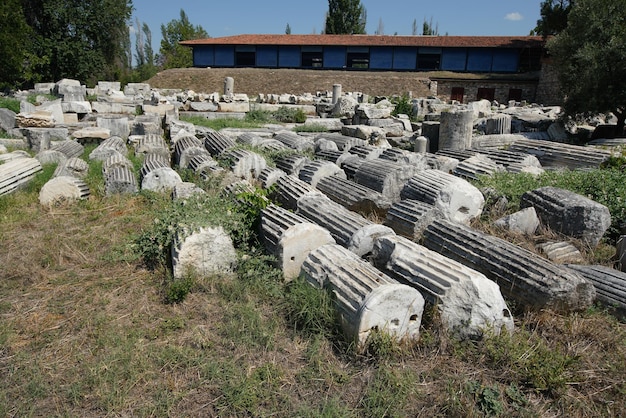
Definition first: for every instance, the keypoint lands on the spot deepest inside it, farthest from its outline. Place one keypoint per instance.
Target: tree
(381, 27)
(78, 39)
(171, 53)
(345, 17)
(14, 42)
(553, 17)
(414, 27)
(288, 30)
(590, 59)
(144, 53)
(428, 29)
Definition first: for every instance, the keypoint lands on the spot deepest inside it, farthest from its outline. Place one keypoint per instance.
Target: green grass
(86, 330)
(605, 186)
(10, 103)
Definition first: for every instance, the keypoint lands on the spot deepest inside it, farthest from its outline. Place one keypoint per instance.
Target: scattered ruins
(377, 210)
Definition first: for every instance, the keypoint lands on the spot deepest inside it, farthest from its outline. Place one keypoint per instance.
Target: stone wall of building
(548, 89)
(502, 90)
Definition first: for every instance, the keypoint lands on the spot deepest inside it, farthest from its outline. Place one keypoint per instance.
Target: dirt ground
(254, 81)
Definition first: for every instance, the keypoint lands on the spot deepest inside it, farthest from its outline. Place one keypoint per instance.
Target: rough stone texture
(292, 164)
(410, 217)
(386, 177)
(290, 238)
(152, 144)
(569, 213)
(454, 198)
(367, 152)
(552, 154)
(185, 190)
(91, 133)
(187, 148)
(7, 119)
(344, 143)
(120, 179)
(12, 155)
(72, 167)
(117, 125)
(109, 146)
(216, 143)
(455, 131)
(313, 171)
(289, 189)
(561, 252)
(345, 107)
(36, 119)
(295, 141)
(69, 148)
(476, 166)
(245, 164)
(524, 221)
(49, 156)
(63, 189)
(469, 303)
(269, 176)
(116, 160)
(353, 196)
(161, 179)
(532, 281)
(610, 286)
(348, 228)
(366, 300)
(204, 252)
(204, 165)
(17, 173)
(498, 124)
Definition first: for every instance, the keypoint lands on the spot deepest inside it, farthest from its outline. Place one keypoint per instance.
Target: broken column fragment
(63, 189)
(69, 148)
(313, 171)
(530, 280)
(609, 283)
(552, 154)
(216, 143)
(205, 251)
(366, 300)
(111, 145)
(245, 164)
(455, 130)
(469, 303)
(455, 198)
(17, 173)
(290, 238)
(354, 196)
(569, 213)
(291, 164)
(409, 217)
(349, 229)
(186, 148)
(290, 189)
(295, 141)
(386, 177)
(73, 167)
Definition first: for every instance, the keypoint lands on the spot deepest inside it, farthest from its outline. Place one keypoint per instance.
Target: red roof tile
(374, 40)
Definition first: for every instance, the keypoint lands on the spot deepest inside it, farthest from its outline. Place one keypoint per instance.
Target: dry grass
(85, 332)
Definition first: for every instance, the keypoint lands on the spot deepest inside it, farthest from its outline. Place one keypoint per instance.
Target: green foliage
(345, 17)
(403, 107)
(258, 116)
(176, 290)
(553, 17)
(531, 361)
(82, 40)
(588, 54)
(222, 123)
(289, 115)
(10, 103)
(604, 186)
(153, 244)
(309, 310)
(171, 53)
(15, 40)
(388, 392)
(487, 398)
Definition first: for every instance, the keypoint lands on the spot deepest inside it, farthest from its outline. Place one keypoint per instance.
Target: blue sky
(235, 17)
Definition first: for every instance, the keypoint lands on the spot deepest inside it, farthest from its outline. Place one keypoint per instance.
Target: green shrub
(289, 115)
(403, 107)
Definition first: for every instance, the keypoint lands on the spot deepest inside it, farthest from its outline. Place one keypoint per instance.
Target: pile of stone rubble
(412, 177)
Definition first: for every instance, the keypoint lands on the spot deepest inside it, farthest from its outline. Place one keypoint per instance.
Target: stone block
(16, 173)
(365, 299)
(469, 303)
(203, 252)
(524, 221)
(7, 119)
(63, 189)
(569, 213)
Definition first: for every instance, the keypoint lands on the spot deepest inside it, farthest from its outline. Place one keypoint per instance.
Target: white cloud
(514, 16)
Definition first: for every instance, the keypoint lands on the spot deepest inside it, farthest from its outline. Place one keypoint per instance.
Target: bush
(10, 103)
(403, 107)
(289, 115)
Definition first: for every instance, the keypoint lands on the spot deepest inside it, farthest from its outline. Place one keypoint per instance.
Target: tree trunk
(621, 119)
